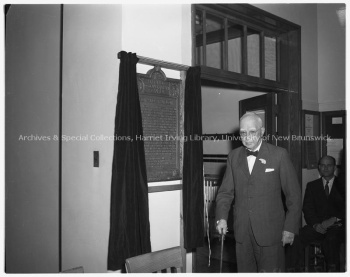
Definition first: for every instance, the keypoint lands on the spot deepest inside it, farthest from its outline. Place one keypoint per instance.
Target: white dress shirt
(330, 183)
(251, 159)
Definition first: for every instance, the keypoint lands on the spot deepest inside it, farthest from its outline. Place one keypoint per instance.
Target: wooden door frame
(288, 84)
(288, 108)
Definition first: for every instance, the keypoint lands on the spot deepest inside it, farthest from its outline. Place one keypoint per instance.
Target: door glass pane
(253, 52)
(215, 41)
(199, 37)
(270, 58)
(235, 34)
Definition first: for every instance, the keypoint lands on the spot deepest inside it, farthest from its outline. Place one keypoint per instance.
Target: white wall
(156, 31)
(331, 57)
(92, 40)
(32, 98)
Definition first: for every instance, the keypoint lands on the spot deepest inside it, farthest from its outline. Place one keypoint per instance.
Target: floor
(229, 264)
(203, 265)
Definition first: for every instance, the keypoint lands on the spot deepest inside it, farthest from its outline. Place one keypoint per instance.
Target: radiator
(211, 186)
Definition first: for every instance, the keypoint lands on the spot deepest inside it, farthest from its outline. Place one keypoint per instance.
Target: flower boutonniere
(263, 161)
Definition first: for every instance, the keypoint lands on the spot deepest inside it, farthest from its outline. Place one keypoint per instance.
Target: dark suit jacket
(317, 207)
(258, 196)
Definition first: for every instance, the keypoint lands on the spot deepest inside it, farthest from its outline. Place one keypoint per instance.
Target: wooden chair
(314, 258)
(163, 261)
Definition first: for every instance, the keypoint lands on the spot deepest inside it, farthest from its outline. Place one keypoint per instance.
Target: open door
(264, 106)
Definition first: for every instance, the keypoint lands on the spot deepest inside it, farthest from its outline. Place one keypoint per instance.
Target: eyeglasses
(326, 165)
(249, 134)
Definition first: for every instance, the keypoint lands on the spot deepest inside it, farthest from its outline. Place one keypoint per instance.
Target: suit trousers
(254, 258)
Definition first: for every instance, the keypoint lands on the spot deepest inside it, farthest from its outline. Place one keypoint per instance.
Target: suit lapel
(243, 163)
(335, 192)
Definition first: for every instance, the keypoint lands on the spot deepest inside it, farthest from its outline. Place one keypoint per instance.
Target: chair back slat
(155, 261)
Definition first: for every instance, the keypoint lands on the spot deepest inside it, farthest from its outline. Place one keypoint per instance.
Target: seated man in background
(324, 213)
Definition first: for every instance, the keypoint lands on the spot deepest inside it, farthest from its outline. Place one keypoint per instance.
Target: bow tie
(249, 153)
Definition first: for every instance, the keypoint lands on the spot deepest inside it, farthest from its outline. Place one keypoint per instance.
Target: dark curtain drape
(193, 201)
(129, 216)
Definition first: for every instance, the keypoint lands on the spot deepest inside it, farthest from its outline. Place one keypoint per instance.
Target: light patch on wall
(341, 16)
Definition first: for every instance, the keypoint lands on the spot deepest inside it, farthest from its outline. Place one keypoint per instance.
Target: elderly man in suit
(324, 213)
(255, 177)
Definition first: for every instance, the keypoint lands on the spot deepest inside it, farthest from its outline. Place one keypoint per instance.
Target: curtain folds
(193, 201)
(129, 214)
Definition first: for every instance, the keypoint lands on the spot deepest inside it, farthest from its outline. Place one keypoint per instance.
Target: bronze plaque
(161, 117)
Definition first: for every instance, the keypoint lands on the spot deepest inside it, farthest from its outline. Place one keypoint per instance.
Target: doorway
(237, 48)
(221, 109)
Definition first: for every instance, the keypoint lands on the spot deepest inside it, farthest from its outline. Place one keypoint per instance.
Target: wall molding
(310, 105)
(323, 107)
(332, 106)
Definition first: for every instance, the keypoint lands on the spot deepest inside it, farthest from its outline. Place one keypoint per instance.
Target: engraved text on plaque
(160, 107)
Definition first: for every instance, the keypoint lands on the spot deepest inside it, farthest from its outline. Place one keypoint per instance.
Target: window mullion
(204, 38)
(225, 58)
(278, 59)
(262, 55)
(244, 51)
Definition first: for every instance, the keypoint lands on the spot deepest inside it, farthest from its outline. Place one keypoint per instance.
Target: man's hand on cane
(221, 226)
(287, 238)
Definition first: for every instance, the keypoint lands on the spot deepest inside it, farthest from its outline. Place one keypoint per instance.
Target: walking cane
(222, 248)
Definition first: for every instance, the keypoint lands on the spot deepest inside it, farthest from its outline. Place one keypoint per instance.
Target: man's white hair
(254, 116)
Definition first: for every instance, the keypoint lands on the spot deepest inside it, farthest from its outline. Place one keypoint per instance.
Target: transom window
(243, 41)
(225, 43)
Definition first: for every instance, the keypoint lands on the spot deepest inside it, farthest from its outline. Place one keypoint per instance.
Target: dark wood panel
(214, 155)
(214, 161)
(232, 13)
(294, 98)
(204, 38)
(295, 130)
(294, 62)
(241, 80)
(284, 59)
(289, 125)
(219, 36)
(225, 57)
(214, 158)
(262, 54)
(245, 51)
